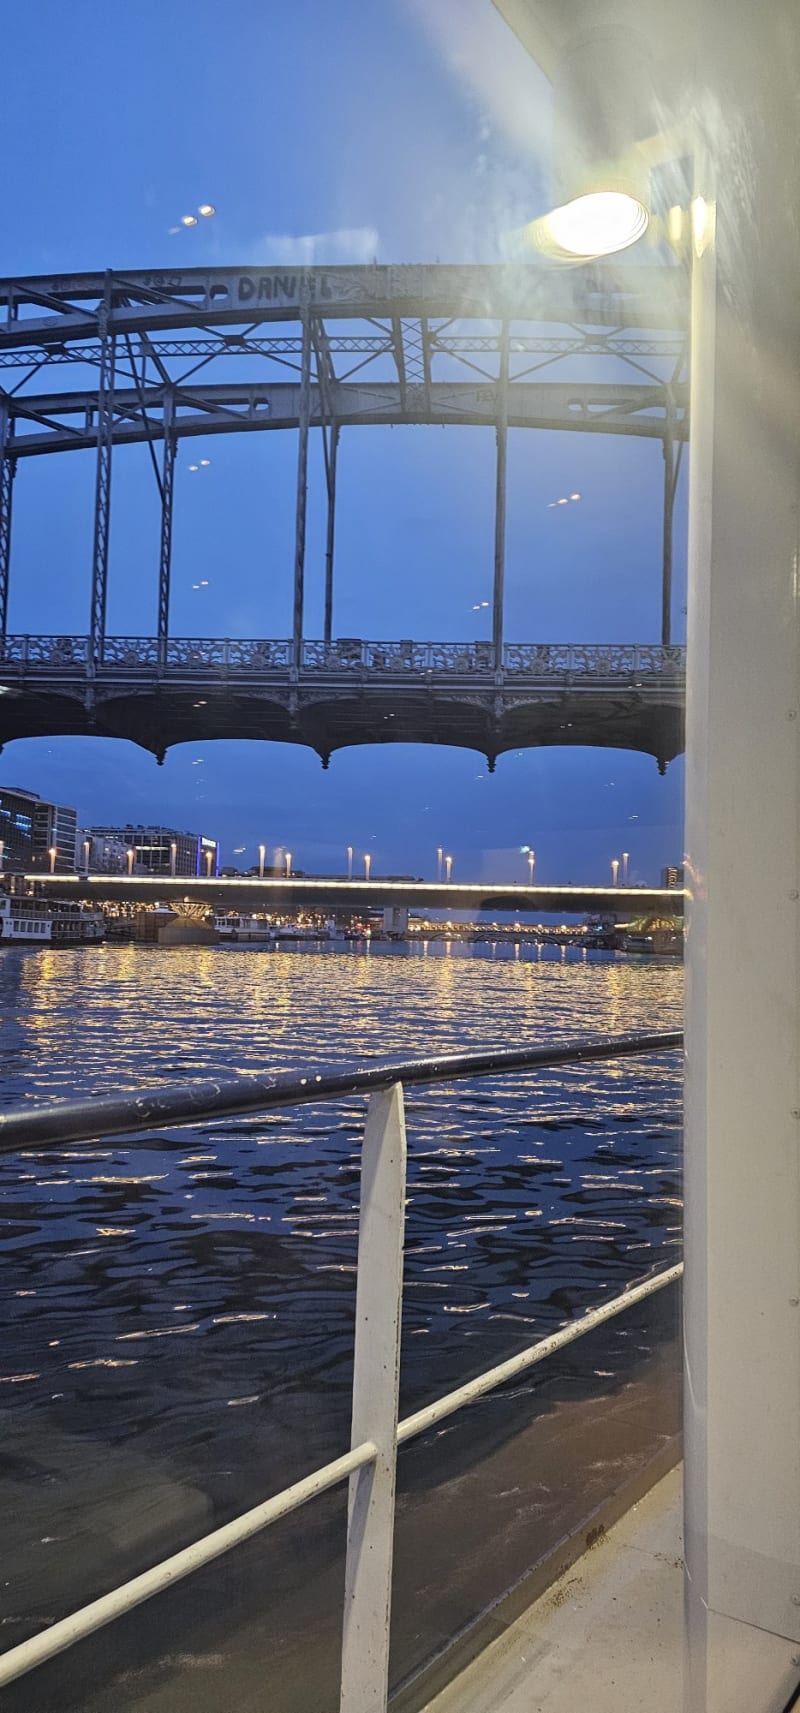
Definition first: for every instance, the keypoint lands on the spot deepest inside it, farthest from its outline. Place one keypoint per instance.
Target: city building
(156, 850)
(36, 834)
(55, 829)
(672, 876)
(16, 828)
(97, 854)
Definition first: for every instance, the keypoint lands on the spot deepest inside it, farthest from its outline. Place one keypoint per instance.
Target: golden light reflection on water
(547, 1187)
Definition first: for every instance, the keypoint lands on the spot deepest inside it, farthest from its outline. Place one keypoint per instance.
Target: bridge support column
(165, 556)
(102, 496)
(7, 469)
(302, 491)
(500, 504)
(330, 473)
(670, 482)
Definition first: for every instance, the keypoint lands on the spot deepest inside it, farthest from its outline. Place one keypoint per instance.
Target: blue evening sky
(407, 130)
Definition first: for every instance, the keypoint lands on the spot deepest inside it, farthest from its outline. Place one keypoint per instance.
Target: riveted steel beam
(102, 499)
(56, 422)
(165, 553)
(7, 470)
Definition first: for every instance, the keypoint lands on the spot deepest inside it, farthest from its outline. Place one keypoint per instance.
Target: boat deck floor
(606, 1637)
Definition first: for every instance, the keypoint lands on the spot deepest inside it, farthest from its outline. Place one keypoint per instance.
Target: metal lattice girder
(53, 311)
(617, 345)
(63, 421)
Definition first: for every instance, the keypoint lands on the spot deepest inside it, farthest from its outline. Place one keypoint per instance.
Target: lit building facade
(55, 829)
(36, 834)
(16, 828)
(96, 854)
(156, 850)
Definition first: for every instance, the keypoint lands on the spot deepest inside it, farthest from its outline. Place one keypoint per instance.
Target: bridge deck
(332, 695)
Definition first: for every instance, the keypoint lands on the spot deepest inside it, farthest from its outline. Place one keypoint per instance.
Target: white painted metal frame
(742, 1110)
(371, 1464)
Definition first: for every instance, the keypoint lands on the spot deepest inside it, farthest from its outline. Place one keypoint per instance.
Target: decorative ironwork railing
(346, 658)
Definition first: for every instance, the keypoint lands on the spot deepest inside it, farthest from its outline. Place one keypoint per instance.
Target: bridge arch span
(238, 350)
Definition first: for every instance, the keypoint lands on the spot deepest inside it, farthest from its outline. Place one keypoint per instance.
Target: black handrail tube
(191, 1103)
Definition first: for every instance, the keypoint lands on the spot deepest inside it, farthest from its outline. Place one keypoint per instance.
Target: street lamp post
(349, 862)
(288, 861)
(448, 866)
(131, 855)
(262, 851)
(625, 856)
(439, 859)
(52, 853)
(531, 866)
(209, 860)
(367, 864)
(2, 853)
(614, 870)
(87, 851)
(173, 858)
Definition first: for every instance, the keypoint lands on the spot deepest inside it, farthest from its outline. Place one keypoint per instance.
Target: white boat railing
(376, 1432)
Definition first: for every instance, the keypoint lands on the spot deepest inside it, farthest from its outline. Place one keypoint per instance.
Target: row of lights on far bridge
(444, 862)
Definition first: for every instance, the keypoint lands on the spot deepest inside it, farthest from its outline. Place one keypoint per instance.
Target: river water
(178, 1311)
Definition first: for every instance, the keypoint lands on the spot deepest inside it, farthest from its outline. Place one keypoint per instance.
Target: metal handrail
(376, 1432)
(190, 1103)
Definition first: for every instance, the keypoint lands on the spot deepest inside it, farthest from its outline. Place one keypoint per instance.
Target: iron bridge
(343, 693)
(101, 361)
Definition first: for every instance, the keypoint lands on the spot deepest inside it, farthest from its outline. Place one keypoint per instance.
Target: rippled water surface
(188, 1299)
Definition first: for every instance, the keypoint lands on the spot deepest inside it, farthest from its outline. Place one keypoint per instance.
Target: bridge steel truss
(159, 358)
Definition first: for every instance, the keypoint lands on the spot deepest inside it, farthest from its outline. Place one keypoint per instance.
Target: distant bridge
(159, 357)
(245, 892)
(347, 692)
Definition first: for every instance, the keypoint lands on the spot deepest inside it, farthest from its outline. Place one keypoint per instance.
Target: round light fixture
(598, 224)
(206, 209)
(188, 219)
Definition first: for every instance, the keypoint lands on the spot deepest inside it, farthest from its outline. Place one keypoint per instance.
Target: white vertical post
(742, 1283)
(376, 1378)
